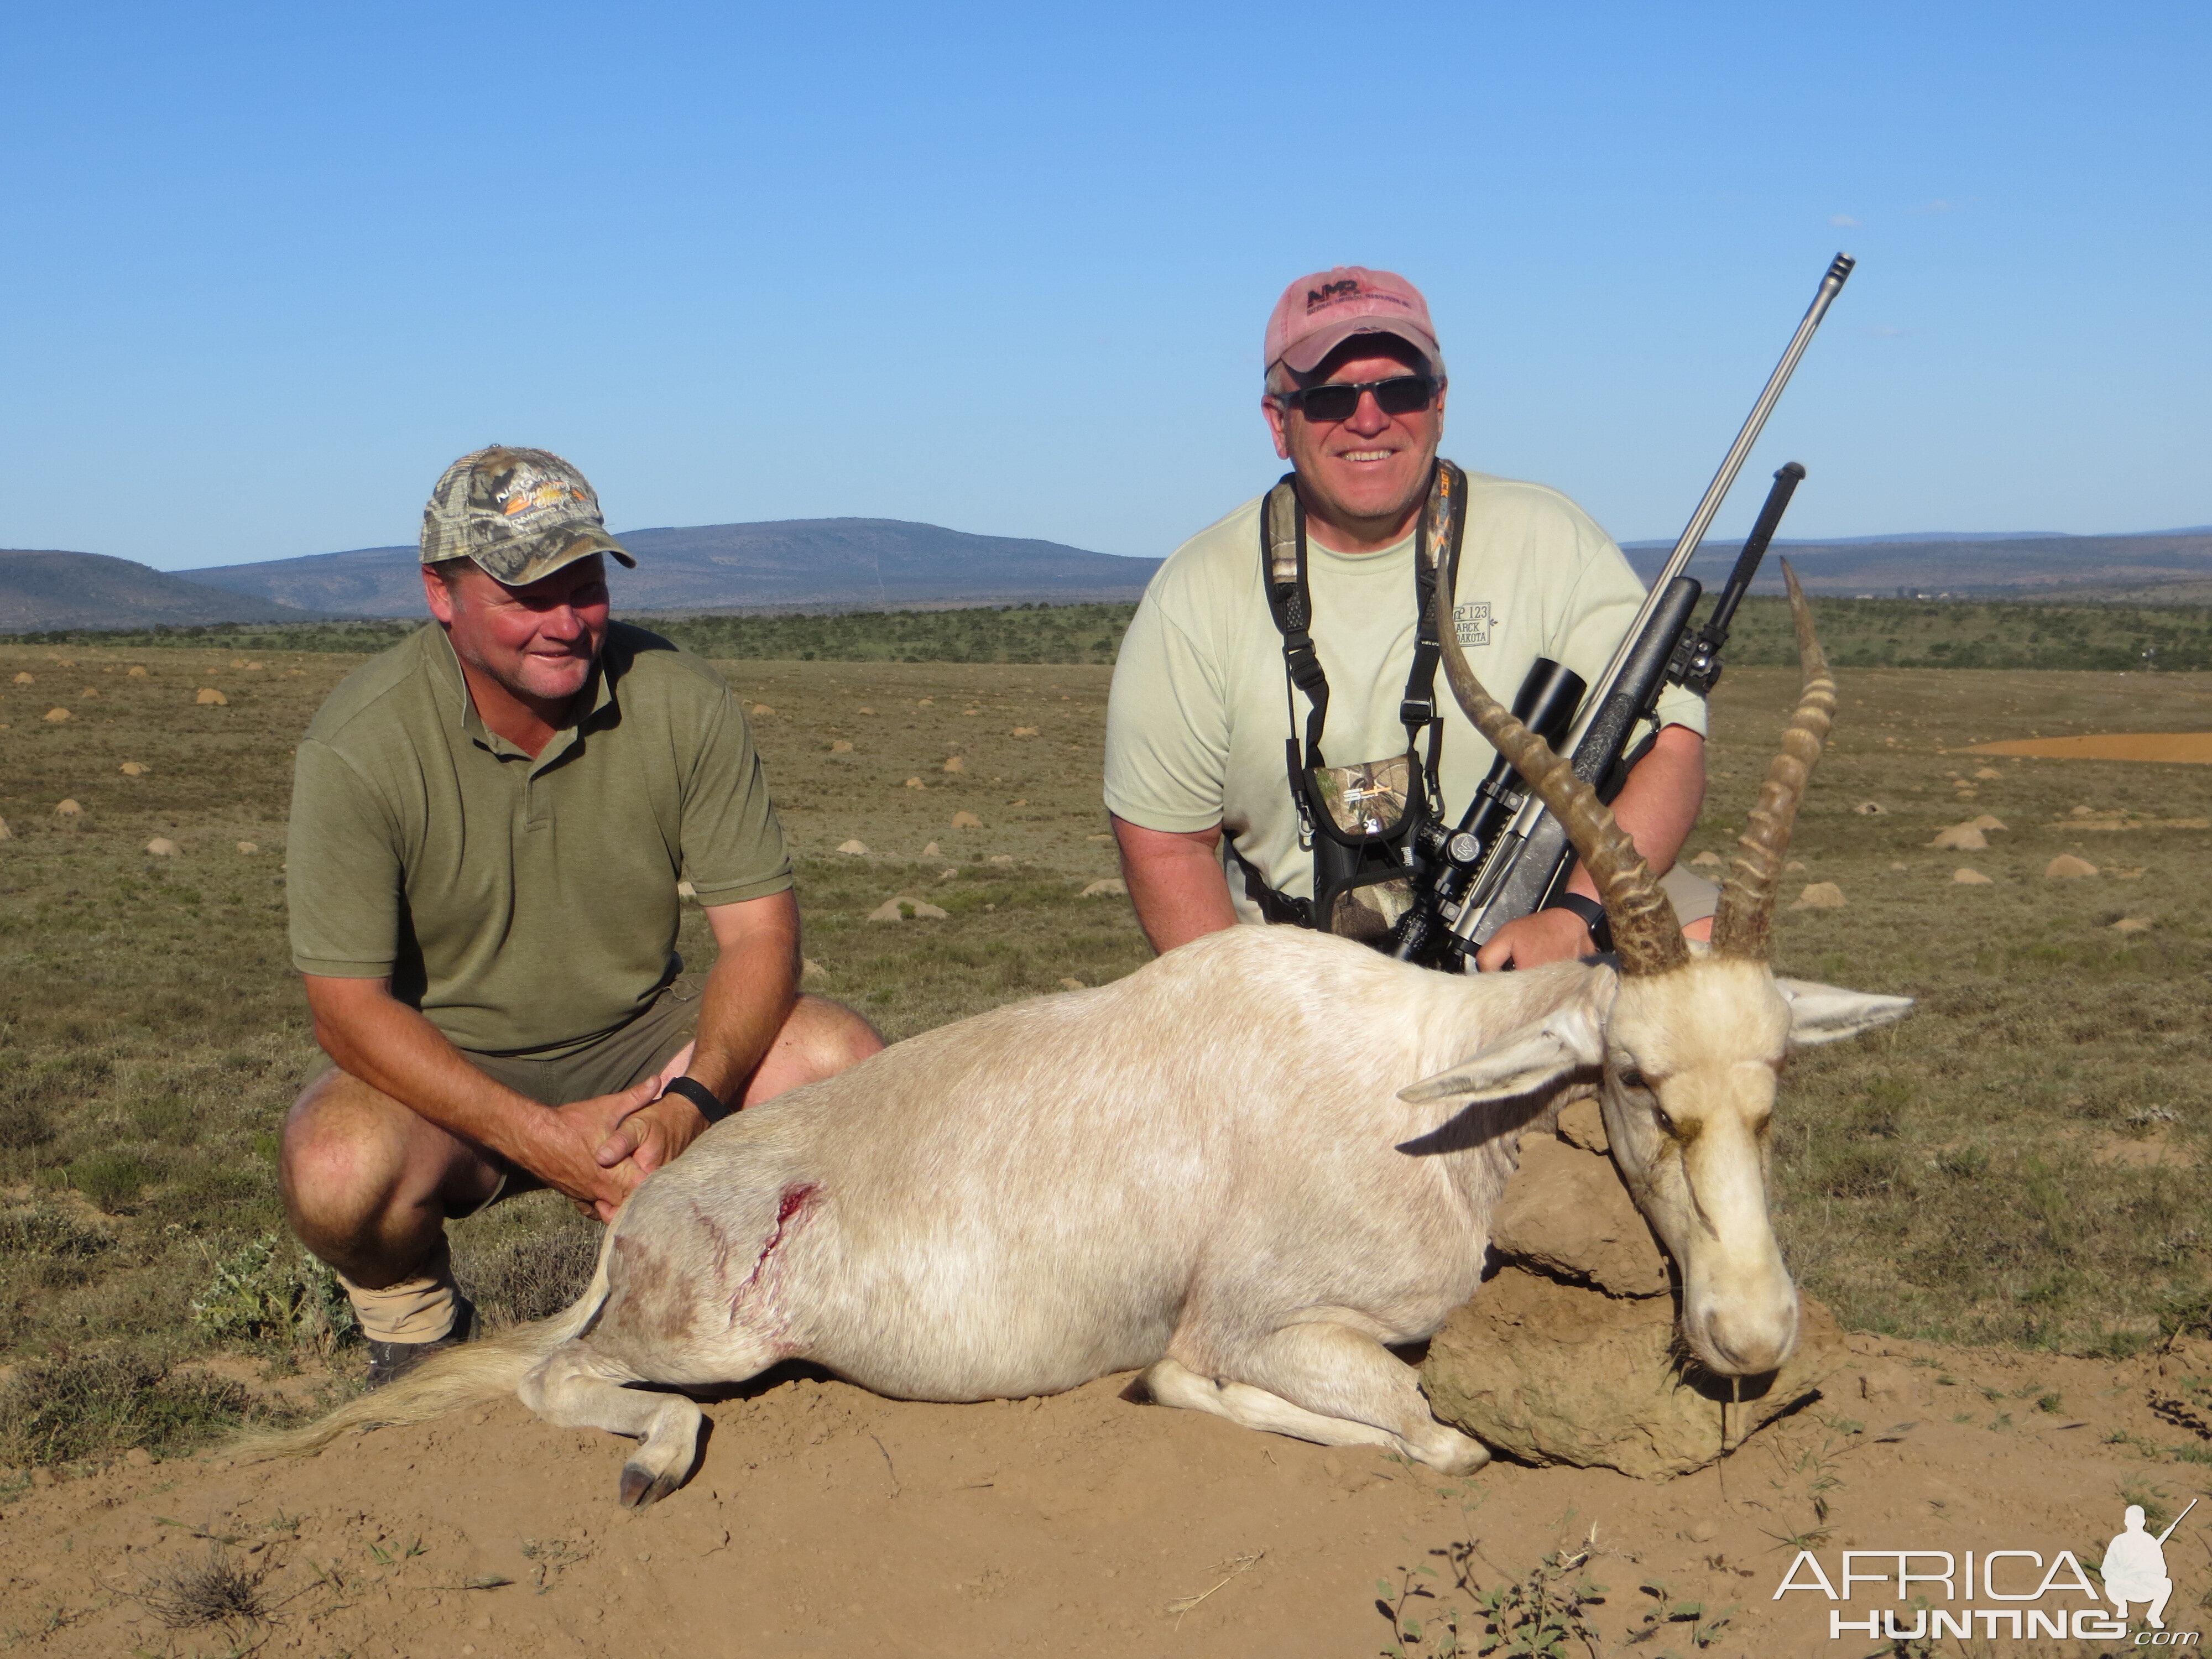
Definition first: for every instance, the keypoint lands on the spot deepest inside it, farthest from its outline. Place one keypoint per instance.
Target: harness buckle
(1417, 711)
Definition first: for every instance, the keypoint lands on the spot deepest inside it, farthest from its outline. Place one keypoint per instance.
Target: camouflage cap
(520, 514)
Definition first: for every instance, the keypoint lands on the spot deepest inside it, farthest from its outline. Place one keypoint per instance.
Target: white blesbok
(1248, 1167)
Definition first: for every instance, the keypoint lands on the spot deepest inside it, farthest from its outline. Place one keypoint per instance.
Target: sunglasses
(1335, 400)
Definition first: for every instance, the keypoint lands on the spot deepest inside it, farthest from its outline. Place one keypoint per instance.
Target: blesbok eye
(1630, 1078)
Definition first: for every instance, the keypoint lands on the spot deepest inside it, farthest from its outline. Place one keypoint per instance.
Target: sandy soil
(824, 1521)
(2112, 745)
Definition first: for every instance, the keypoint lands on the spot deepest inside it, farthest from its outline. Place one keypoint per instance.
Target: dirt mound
(2066, 865)
(1568, 1354)
(2187, 746)
(1960, 838)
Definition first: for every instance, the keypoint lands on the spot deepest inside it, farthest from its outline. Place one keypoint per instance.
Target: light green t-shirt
(1195, 726)
(523, 905)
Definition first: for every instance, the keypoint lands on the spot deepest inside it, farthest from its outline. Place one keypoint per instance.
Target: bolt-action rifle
(1508, 855)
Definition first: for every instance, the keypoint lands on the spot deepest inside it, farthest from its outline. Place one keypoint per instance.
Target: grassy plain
(2024, 1160)
(1859, 633)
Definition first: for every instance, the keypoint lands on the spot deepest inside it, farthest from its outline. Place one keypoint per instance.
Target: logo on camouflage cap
(520, 514)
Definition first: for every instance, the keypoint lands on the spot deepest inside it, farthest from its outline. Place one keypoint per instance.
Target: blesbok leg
(1327, 1383)
(578, 1388)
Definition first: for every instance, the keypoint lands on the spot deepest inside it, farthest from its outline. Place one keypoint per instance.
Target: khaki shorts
(603, 1065)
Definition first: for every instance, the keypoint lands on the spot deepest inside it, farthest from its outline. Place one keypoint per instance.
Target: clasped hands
(596, 1151)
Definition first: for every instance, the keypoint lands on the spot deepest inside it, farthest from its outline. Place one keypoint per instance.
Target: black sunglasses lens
(1329, 403)
(1403, 395)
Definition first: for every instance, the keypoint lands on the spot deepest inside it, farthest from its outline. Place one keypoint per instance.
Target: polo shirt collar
(446, 668)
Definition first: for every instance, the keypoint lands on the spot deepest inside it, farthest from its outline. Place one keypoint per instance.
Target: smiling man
(489, 823)
(1273, 727)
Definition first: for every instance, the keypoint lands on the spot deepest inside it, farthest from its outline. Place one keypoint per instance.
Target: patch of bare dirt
(2111, 745)
(823, 1520)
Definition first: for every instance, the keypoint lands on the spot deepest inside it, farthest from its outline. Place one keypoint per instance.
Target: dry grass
(1980, 1174)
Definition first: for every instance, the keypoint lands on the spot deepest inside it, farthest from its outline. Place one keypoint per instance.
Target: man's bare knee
(819, 1039)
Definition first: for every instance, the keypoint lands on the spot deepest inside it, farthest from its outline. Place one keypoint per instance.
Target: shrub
(270, 1290)
(57, 1410)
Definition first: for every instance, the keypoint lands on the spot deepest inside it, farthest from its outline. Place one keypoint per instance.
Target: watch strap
(708, 1103)
(1593, 917)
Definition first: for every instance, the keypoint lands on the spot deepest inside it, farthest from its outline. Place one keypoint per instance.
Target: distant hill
(47, 588)
(2173, 566)
(821, 562)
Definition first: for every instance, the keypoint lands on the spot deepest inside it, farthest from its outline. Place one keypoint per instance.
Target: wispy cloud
(1843, 221)
(1939, 205)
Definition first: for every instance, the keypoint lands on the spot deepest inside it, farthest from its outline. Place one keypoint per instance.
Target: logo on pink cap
(1319, 312)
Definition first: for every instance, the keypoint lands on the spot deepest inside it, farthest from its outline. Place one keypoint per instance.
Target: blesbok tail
(458, 1376)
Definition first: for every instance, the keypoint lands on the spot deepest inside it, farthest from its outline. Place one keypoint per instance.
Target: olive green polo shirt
(523, 905)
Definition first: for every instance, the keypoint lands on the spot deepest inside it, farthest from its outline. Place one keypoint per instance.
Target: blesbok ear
(1571, 1039)
(1828, 1013)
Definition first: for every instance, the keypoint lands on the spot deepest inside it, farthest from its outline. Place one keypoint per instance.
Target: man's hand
(1546, 936)
(567, 1144)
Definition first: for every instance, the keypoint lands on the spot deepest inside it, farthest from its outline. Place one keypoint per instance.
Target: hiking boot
(390, 1361)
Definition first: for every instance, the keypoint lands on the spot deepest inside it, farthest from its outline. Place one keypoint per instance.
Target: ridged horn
(1645, 933)
(1746, 914)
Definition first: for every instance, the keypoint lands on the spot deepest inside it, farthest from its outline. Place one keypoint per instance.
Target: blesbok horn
(1745, 913)
(1645, 933)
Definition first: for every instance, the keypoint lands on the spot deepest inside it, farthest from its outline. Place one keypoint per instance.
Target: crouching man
(488, 823)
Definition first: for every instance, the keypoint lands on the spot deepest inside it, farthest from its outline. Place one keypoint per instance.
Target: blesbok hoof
(641, 1486)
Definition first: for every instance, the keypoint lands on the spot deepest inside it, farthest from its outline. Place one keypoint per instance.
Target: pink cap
(1318, 314)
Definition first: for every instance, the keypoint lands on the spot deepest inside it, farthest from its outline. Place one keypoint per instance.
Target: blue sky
(1006, 268)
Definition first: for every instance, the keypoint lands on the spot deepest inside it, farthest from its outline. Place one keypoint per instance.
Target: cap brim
(557, 550)
(1307, 355)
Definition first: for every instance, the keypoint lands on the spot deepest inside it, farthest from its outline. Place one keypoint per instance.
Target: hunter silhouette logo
(2031, 1599)
(2135, 1566)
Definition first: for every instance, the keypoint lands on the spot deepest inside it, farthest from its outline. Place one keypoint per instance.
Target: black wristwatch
(1592, 914)
(710, 1104)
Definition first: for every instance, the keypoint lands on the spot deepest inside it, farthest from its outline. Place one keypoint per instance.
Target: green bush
(270, 1290)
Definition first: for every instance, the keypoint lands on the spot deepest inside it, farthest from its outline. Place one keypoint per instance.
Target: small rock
(89, 691)
(931, 852)
(137, 672)
(916, 783)
(1819, 896)
(948, 872)
(899, 908)
(1582, 1123)
(1019, 731)
(248, 848)
(43, 1478)
(1987, 772)
(2131, 925)
(926, 702)
(761, 711)
(139, 1458)
(966, 821)
(69, 809)
(1988, 821)
(1870, 809)
(2067, 864)
(131, 769)
(841, 746)
(210, 697)
(857, 849)
(163, 848)
(1966, 877)
(1073, 984)
(4, 829)
(26, 678)
(1112, 886)
(1707, 860)
(1705, 1531)
(1900, 866)
(56, 716)
(1105, 835)
(1793, 865)
(1001, 858)
(809, 968)
(955, 764)
(864, 711)
(1960, 838)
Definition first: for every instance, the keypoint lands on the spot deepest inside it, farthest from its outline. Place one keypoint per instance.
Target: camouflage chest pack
(1359, 821)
